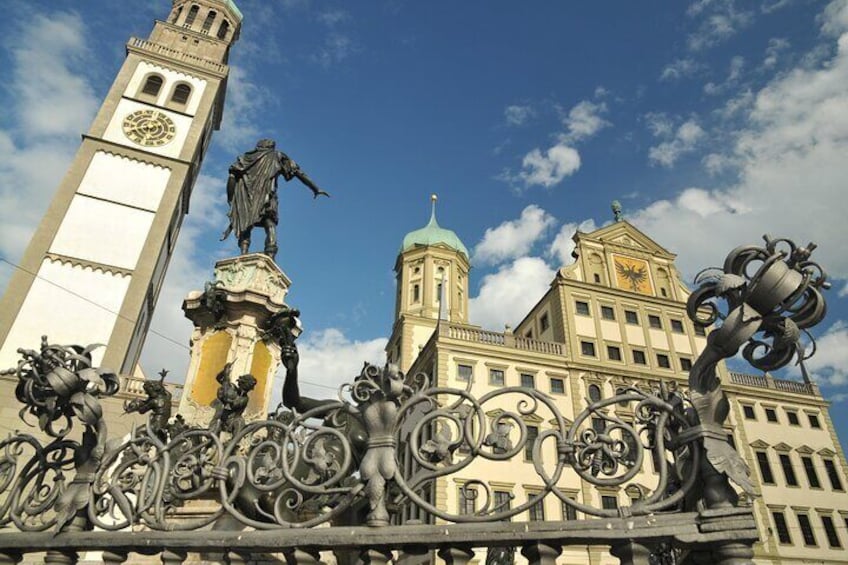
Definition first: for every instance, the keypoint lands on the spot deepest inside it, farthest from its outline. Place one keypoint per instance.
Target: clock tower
(94, 267)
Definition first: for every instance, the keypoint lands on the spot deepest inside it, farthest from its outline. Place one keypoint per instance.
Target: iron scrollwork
(388, 436)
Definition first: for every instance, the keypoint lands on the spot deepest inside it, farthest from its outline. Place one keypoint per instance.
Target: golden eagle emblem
(634, 275)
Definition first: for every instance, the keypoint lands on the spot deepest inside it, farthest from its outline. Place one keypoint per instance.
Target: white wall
(64, 313)
(125, 181)
(102, 232)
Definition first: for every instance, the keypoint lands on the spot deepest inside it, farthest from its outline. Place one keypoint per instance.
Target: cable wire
(127, 318)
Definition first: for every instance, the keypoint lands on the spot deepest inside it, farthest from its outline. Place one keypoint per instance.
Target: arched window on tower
(191, 16)
(151, 87)
(182, 92)
(175, 15)
(207, 23)
(224, 29)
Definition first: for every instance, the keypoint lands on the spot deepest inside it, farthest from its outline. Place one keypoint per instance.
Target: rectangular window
(587, 348)
(537, 511)
(685, 364)
(639, 357)
(463, 372)
(781, 527)
(607, 313)
(663, 361)
(557, 386)
(528, 380)
(810, 469)
(532, 434)
(748, 410)
(496, 377)
(771, 415)
(832, 474)
(806, 529)
(765, 468)
(582, 308)
(830, 532)
(654, 321)
(568, 511)
(502, 501)
(677, 326)
(792, 417)
(614, 353)
(814, 421)
(544, 322)
(788, 470)
(467, 500)
(609, 502)
(700, 330)
(631, 317)
(416, 293)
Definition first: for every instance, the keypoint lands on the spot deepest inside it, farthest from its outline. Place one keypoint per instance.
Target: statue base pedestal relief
(231, 317)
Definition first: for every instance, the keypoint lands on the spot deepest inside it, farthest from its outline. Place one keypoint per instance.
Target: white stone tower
(102, 249)
(432, 282)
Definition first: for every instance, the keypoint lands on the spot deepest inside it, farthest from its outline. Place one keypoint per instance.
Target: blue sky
(713, 122)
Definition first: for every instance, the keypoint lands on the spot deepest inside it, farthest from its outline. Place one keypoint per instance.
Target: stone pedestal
(230, 318)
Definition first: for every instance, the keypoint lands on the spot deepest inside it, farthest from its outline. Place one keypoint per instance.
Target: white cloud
(679, 68)
(52, 104)
(718, 21)
(517, 115)
(790, 148)
(659, 124)
(563, 245)
(776, 45)
(329, 359)
(688, 134)
(513, 238)
(769, 6)
(734, 73)
(508, 294)
(550, 167)
(584, 120)
(336, 48)
(829, 365)
(239, 128)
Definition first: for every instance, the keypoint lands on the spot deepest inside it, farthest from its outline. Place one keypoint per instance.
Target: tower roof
(433, 234)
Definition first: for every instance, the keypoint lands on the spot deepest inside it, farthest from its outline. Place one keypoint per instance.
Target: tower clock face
(150, 128)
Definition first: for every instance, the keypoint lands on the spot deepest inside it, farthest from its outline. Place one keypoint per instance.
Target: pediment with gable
(805, 450)
(759, 444)
(782, 447)
(825, 452)
(623, 234)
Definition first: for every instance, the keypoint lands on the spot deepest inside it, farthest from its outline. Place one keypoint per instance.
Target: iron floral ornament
(765, 297)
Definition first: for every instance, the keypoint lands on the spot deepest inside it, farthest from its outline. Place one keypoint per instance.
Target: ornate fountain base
(230, 319)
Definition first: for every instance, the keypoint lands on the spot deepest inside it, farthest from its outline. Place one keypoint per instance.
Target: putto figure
(252, 193)
(231, 402)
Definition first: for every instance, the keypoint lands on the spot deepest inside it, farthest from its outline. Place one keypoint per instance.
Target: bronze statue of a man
(252, 193)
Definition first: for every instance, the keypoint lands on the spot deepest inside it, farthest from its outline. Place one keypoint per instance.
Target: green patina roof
(232, 6)
(431, 234)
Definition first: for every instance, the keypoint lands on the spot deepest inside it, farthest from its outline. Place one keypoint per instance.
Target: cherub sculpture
(231, 402)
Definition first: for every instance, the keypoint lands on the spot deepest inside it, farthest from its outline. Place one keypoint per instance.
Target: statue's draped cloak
(252, 187)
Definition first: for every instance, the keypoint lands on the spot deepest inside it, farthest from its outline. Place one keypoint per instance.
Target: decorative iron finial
(616, 211)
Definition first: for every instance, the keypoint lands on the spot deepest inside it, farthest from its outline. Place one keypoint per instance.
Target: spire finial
(433, 198)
